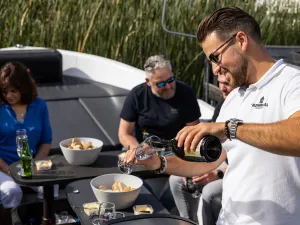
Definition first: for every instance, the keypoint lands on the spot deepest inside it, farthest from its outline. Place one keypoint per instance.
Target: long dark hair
(16, 75)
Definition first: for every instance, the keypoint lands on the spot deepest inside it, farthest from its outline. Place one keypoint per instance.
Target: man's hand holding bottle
(190, 136)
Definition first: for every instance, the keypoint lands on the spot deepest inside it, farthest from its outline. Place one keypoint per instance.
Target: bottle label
(195, 153)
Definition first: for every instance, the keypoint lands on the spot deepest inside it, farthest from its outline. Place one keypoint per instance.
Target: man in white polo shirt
(259, 124)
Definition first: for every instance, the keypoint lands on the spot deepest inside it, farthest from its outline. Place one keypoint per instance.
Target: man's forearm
(129, 140)
(179, 167)
(279, 138)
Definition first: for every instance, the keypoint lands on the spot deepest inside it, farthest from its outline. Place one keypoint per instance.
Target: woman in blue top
(20, 109)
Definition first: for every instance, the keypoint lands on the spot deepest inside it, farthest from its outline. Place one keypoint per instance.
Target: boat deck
(83, 108)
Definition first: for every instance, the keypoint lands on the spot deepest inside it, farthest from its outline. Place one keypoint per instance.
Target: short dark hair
(16, 75)
(227, 21)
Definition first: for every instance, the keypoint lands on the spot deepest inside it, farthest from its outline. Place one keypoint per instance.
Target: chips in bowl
(84, 151)
(80, 145)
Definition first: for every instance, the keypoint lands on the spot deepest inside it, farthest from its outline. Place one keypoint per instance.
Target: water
(19, 152)
(19, 141)
(146, 155)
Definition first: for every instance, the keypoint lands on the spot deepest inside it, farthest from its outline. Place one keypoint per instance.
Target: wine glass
(144, 151)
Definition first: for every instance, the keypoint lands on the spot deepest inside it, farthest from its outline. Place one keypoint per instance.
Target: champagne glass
(144, 151)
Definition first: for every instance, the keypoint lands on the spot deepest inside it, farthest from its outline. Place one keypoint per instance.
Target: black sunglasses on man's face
(214, 58)
(163, 83)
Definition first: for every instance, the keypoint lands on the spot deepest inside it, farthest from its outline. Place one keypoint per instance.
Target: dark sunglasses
(163, 83)
(214, 58)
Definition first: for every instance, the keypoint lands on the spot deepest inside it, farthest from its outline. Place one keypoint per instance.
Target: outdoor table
(63, 173)
(152, 219)
(86, 195)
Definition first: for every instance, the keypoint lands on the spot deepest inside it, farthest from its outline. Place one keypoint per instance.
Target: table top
(63, 173)
(154, 219)
(86, 195)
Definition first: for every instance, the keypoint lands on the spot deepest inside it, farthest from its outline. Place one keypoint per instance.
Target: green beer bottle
(26, 159)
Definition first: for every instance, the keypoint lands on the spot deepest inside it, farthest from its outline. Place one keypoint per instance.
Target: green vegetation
(130, 30)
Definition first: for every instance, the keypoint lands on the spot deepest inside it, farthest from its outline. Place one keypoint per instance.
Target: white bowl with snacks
(120, 189)
(81, 150)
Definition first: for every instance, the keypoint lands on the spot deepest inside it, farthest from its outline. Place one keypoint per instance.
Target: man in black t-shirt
(161, 106)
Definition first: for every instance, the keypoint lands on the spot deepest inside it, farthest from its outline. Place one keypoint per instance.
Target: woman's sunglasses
(163, 83)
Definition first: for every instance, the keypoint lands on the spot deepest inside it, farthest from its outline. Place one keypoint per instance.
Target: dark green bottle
(26, 159)
(208, 150)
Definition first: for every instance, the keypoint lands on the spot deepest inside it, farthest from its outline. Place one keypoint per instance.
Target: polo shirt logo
(261, 104)
(174, 111)
(262, 100)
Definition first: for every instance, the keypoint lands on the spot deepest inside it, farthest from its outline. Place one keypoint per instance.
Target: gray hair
(155, 62)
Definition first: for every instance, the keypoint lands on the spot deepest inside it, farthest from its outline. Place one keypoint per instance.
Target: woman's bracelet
(163, 165)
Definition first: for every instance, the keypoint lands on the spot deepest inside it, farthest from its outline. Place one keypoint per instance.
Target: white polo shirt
(261, 187)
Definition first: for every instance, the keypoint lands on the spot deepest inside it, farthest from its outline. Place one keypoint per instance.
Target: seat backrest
(214, 93)
(45, 64)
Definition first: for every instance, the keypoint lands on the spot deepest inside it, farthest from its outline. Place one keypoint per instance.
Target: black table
(63, 173)
(154, 219)
(86, 195)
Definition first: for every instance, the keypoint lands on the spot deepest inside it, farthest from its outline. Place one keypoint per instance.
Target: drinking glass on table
(144, 151)
(107, 211)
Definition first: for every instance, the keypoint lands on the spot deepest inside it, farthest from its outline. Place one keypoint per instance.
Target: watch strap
(220, 173)
(227, 133)
(233, 127)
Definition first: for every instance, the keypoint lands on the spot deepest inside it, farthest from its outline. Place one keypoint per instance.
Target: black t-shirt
(156, 116)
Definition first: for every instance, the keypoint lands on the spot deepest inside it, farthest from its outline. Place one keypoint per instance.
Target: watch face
(220, 174)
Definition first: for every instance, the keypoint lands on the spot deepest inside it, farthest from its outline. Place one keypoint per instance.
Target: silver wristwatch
(233, 127)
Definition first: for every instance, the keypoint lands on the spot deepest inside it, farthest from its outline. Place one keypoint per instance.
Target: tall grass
(130, 30)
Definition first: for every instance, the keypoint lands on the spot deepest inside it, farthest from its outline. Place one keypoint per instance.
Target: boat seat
(82, 108)
(45, 64)
(78, 107)
(74, 88)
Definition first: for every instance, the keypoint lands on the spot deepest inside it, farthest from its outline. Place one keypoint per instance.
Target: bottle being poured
(208, 150)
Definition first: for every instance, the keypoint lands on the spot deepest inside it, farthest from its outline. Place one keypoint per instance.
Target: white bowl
(81, 157)
(122, 200)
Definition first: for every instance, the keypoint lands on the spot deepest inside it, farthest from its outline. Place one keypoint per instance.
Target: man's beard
(239, 76)
(165, 97)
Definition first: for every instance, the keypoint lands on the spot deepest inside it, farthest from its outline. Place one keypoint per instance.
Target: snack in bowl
(122, 200)
(43, 165)
(118, 186)
(83, 154)
(80, 145)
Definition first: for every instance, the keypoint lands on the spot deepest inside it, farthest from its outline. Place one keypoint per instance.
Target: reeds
(130, 30)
